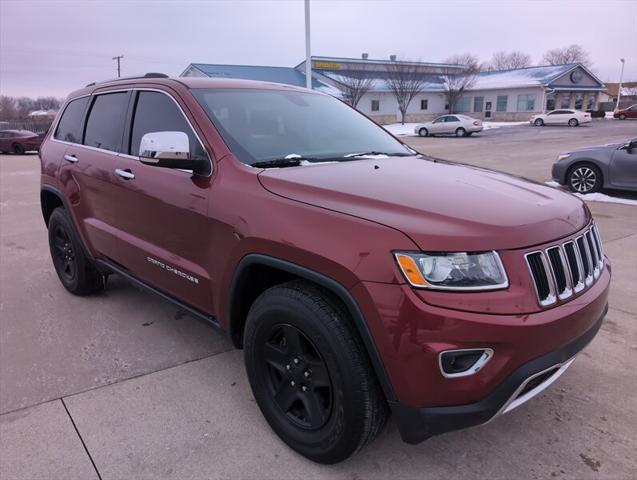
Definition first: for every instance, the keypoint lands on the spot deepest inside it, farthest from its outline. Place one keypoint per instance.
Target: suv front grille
(559, 271)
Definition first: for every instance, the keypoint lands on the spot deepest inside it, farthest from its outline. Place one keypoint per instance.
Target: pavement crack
(97, 472)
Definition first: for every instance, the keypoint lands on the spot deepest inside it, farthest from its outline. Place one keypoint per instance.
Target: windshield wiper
(374, 153)
(291, 160)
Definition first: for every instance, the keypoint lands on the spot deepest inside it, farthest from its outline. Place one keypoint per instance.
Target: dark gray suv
(588, 170)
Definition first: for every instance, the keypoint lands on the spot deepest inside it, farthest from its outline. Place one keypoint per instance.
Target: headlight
(453, 271)
(564, 156)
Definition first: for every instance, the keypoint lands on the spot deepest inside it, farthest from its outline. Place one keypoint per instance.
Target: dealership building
(509, 95)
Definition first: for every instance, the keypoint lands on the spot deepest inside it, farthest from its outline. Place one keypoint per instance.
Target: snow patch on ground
(408, 128)
(597, 197)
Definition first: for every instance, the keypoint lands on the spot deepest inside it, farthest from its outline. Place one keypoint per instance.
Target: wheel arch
(52, 198)
(255, 273)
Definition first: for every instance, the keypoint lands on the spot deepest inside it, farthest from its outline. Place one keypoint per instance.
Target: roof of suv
(188, 82)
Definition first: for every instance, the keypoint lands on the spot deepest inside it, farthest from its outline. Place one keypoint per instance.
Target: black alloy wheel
(310, 374)
(63, 254)
(297, 377)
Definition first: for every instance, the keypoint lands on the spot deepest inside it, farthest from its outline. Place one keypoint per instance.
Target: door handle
(70, 158)
(125, 174)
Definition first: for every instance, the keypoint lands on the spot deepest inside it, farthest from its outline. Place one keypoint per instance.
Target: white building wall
(388, 108)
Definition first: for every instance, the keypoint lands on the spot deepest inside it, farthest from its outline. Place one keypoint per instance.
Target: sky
(52, 47)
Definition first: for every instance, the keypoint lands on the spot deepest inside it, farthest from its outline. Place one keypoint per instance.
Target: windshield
(265, 125)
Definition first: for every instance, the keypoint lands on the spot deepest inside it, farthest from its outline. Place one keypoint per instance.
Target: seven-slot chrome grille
(561, 270)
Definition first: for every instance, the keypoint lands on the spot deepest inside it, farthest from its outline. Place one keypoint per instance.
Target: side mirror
(628, 147)
(168, 150)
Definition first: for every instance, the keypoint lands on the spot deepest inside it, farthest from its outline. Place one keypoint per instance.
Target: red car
(624, 113)
(360, 277)
(19, 141)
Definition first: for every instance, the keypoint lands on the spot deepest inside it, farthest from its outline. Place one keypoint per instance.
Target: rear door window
(69, 127)
(157, 112)
(105, 123)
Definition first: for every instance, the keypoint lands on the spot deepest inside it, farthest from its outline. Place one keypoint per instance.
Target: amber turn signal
(410, 270)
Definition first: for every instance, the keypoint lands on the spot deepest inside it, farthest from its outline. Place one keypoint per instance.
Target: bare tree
(456, 81)
(467, 59)
(8, 110)
(508, 61)
(354, 85)
(562, 56)
(405, 81)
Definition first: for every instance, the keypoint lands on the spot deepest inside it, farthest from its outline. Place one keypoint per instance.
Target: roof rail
(147, 75)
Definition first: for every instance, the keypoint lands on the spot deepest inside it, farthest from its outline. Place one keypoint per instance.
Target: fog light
(465, 362)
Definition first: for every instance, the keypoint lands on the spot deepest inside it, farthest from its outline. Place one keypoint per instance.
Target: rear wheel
(461, 132)
(310, 374)
(584, 178)
(18, 149)
(423, 132)
(573, 122)
(74, 269)
(538, 122)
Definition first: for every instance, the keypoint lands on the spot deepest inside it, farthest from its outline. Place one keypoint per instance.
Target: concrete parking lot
(124, 385)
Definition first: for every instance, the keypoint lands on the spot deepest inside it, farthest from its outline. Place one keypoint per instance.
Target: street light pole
(308, 57)
(118, 58)
(619, 90)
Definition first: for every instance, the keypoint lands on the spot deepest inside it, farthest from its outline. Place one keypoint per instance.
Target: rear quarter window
(69, 127)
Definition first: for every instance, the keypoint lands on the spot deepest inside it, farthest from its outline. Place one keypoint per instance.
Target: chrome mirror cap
(156, 146)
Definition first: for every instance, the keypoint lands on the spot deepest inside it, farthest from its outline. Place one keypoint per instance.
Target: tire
(423, 132)
(74, 269)
(461, 132)
(584, 178)
(329, 375)
(538, 122)
(573, 122)
(622, 116)
(17, 148)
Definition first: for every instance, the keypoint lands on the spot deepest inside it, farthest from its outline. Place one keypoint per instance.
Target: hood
(608, 146)
(441, 206)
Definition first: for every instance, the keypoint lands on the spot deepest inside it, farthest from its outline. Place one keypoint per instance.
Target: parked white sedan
(458, 125)
(572, 118)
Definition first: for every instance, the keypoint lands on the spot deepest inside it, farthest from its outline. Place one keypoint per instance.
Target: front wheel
(310, 374)
(573, 122)
(74, 269)
(622, 116)
(423, 132)
(584, 178)
(538, 122)
(461, 132)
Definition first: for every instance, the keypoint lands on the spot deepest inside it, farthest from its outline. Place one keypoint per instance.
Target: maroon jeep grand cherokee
(359, 276)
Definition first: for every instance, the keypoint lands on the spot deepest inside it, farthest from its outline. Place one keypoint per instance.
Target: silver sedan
(458, 125)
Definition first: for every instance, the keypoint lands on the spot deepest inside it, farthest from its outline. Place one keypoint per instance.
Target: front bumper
(558, 171)
(418, 424)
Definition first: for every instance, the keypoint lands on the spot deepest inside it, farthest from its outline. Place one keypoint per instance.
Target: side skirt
(109, 267)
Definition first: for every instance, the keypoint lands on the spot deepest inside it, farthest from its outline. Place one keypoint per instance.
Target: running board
(195, 312)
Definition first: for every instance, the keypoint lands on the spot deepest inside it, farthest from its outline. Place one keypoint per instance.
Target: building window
(579, 101)
(550, 102)
(375, 105)
(565, 100)
(501, 105)
(478, 103)
(463, 104)
(424, 104)
(526, 103)
(591, 102)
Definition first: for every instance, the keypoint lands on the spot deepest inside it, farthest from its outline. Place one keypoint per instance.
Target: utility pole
(118, 58)
(308, 55)
(619, 90)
